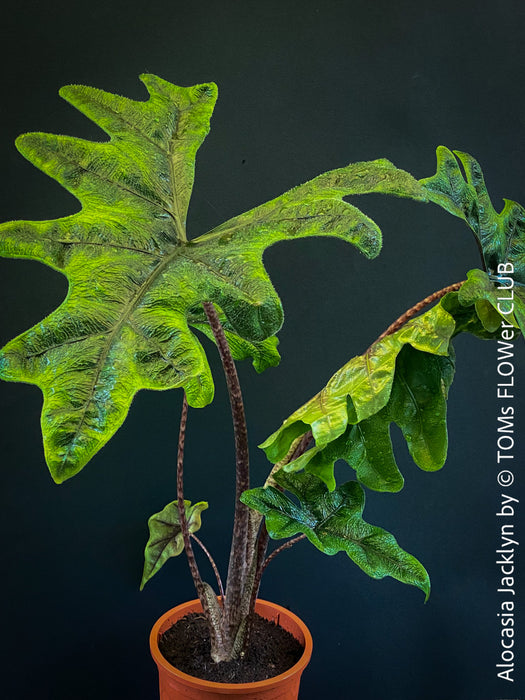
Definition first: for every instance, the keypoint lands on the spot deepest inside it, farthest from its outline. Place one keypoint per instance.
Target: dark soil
(271, 651)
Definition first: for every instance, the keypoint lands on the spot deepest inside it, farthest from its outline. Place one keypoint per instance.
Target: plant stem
(194, 569)
(410, 313)
(212, 562)
(280, 549)
(240, 559)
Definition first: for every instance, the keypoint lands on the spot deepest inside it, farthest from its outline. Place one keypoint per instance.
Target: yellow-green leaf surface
(403, 379)
(417, 405)
(165, 535)
(136, 283)
(362, 387)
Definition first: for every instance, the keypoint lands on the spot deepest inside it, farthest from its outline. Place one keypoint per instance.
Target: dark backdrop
(304, 87)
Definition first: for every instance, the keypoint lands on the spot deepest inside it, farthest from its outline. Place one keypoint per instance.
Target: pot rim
(232, 688)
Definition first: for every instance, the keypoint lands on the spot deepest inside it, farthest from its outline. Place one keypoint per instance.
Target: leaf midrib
(130, 306)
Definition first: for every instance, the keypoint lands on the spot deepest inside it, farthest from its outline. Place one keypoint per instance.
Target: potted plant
(140, 292)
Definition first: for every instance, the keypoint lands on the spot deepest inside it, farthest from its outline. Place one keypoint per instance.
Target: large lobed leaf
(403, 379)
(333, 522)
(501, 237)
(136, 284)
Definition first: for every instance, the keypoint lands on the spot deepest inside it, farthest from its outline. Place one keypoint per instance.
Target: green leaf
(500, 236)
(479, 307)
(408, 375)
(366, 447)
(136, 284)
(333, 522)
(417, 404)
(165, 536)
(481, 291)
(362, 387)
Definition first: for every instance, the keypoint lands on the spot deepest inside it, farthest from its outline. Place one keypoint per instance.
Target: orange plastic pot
(174, 684)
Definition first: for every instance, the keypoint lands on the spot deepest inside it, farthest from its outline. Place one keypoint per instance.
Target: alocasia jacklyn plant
(139, 286)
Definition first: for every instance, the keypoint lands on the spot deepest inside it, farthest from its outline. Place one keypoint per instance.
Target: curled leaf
(362, 387)
(403, 379)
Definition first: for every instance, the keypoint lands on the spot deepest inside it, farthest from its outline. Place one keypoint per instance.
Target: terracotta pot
(175, 684)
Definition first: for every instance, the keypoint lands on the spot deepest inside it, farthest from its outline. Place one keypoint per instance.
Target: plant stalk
(286, 545)
(240, 561)
(410, 313)
(212, 563)
(194, 569)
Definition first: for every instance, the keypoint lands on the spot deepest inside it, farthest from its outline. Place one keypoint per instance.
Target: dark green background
(303, 87)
